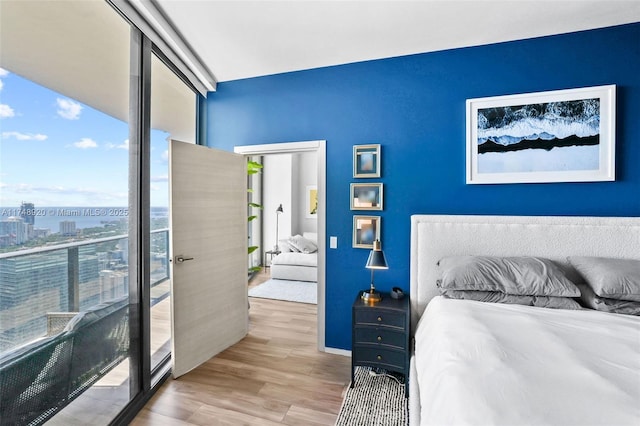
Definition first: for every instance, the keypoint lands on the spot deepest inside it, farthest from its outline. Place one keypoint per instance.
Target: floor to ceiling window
(83, 211)
(65, 329)
(173, 116)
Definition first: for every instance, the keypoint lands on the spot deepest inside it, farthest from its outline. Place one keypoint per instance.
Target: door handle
(181, 259)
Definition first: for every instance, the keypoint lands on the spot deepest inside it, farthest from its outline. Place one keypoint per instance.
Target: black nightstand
(380, 336)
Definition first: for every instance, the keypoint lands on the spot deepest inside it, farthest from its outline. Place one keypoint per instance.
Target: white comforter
(496, 364)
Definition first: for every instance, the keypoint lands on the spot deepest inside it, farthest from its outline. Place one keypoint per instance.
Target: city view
(85, 290)
(61, 250)
(47, 270)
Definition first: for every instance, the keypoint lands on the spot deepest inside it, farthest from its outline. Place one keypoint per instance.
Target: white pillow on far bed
(302, 245)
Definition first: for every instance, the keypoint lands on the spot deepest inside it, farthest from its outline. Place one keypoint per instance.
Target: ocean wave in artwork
(539, 126)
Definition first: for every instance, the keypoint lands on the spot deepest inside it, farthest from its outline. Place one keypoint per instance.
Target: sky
(56, 151)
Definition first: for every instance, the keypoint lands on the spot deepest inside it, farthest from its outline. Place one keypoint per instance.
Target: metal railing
(69, 277)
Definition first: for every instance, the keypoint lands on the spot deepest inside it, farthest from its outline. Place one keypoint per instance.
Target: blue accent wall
(414, 106)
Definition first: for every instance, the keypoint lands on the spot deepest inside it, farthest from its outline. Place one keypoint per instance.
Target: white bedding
(497, 364)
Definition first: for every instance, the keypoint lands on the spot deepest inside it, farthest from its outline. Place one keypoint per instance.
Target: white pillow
(301, 244)
(284, 246)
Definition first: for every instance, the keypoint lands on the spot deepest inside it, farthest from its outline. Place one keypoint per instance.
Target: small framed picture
(366, 229)
(366, 196)
(366, 161)
(312, 202)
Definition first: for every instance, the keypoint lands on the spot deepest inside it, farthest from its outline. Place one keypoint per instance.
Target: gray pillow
(527, 276)
(610, 278)
(497, 297)
(591, 300)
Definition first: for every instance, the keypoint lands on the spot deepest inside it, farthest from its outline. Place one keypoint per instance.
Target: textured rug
(377, 399)
(292, 291)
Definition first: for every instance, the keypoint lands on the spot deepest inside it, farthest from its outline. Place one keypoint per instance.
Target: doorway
(319, 147)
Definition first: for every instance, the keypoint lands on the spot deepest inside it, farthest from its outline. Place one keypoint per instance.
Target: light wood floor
(275, 375)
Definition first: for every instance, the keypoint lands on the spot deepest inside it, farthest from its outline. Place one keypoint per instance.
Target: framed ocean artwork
(554, 136)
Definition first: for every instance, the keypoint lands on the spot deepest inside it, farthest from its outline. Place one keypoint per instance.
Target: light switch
(333, 242)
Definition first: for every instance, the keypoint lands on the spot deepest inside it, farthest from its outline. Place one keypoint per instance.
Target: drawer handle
(379, 338)
(379, 319)
(379, 357)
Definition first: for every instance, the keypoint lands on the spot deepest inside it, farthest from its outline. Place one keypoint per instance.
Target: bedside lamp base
(371, 297)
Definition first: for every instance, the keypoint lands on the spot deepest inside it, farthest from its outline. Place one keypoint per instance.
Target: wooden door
(208, 213)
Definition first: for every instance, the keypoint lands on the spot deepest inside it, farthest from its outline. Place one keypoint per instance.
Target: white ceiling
(80, 49)
(240, 39)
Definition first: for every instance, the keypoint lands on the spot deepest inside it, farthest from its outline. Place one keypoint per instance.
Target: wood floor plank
(274, 376)
(305, 416)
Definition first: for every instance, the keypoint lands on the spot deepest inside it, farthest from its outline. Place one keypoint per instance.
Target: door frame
(319, 146)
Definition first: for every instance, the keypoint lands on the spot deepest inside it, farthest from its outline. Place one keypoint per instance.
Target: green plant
(252, 169)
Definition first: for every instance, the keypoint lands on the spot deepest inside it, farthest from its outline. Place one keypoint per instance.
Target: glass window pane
(173, 116)
(64, 284)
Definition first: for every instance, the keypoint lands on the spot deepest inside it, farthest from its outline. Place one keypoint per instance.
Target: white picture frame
(366, 229)
(366, 196)
(366, 161)
(554, 136)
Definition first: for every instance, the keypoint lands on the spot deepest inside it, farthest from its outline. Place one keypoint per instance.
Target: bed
(509, 364)
(298, 260)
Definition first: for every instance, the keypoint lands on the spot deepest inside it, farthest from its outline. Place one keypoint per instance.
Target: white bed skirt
(294, 272)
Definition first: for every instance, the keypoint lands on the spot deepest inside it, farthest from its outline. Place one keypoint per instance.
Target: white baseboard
(336, 351)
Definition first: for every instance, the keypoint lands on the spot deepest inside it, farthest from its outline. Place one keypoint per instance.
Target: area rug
(292, 291)
(377, 399)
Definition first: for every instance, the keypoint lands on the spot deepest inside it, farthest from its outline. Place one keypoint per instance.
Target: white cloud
(124, 145)
(165, 155)
(68, 109)
(1, 85)
(24, 136)
(6, 111)
(160, 178)
(85, 143)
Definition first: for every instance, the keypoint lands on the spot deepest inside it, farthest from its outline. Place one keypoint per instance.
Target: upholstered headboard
(436, 236)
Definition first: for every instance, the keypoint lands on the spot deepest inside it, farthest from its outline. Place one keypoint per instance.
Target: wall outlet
(333, 242)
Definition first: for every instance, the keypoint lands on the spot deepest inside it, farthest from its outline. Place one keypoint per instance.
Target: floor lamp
(278, 211)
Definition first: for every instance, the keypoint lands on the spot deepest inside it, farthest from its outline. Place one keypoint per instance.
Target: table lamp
(376, 260)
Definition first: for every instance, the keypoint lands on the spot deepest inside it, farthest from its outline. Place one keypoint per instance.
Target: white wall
(285, 179)
(277, 190)
(307, 172)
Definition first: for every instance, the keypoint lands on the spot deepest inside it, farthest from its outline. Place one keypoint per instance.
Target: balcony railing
(68, 278)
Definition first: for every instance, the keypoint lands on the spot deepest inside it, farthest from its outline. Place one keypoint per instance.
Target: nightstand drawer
(380, 336)
(383, 357)
(380, 317)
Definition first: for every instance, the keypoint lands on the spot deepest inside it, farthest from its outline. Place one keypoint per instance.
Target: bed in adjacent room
(298, 260)
(499, 336)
